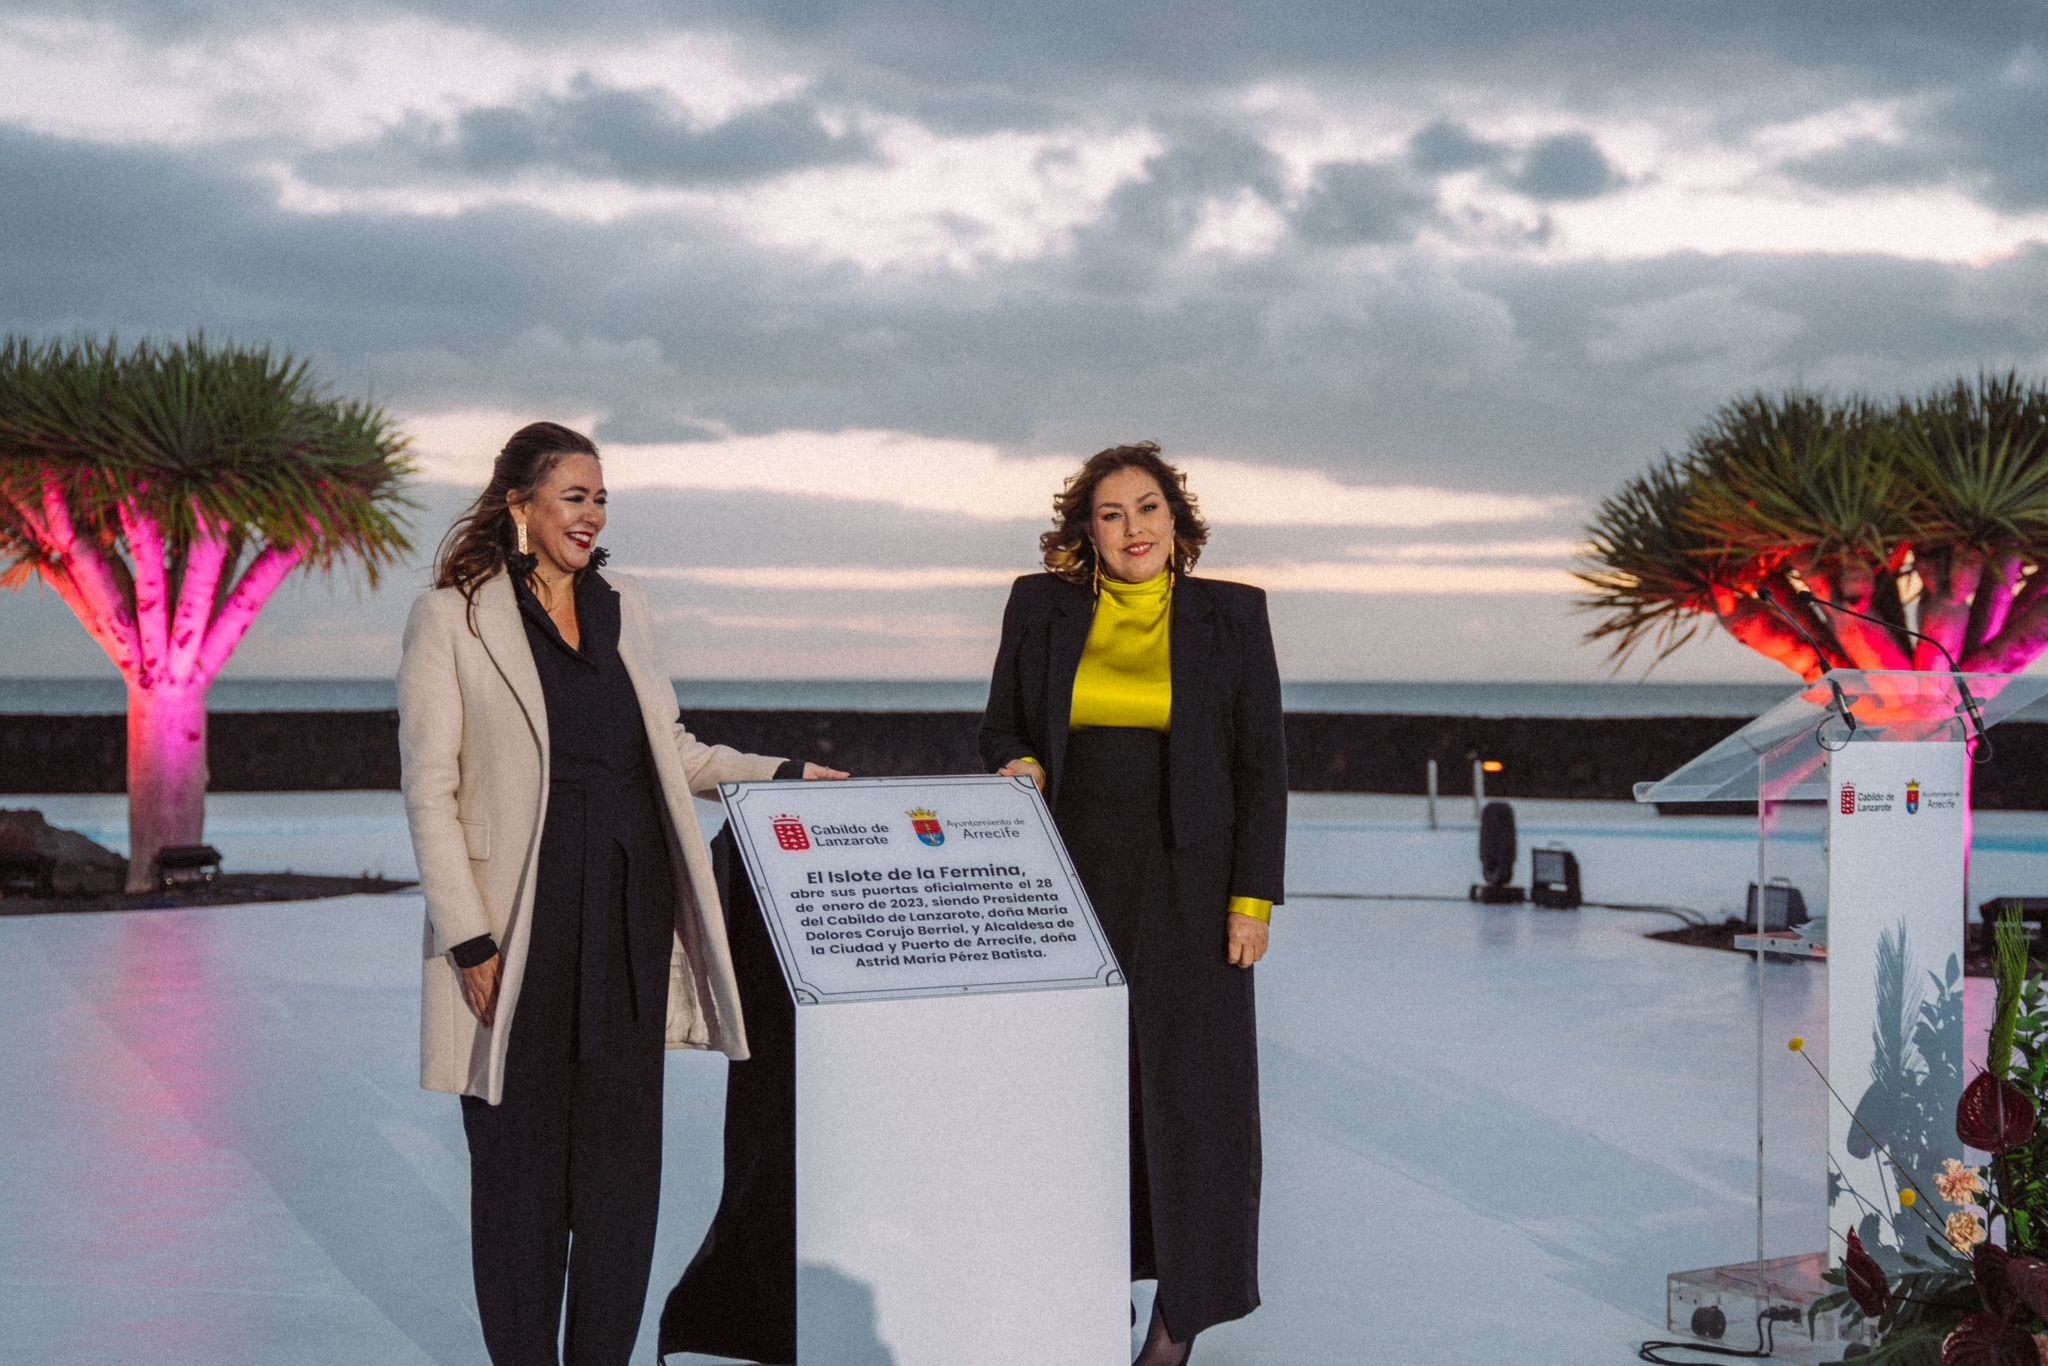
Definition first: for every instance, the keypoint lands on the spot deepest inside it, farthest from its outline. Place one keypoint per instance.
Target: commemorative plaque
(885, 888)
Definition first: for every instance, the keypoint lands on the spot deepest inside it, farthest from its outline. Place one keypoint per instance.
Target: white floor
(1490, 1133)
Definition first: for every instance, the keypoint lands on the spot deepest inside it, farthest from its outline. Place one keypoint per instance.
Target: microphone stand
(1841, 702)
(1962, 680)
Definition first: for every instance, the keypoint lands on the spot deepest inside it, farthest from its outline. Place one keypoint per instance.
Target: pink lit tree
(164, 493)
(1930, 514)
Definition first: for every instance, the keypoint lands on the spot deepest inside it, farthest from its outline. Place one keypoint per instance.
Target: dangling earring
(521, 536)
(1098, 576)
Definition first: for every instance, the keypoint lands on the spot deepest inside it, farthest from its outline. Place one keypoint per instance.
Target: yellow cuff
(1253, 907)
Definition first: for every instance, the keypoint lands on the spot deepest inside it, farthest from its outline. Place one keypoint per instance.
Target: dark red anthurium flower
(1994, 1115)
(1867, 1285)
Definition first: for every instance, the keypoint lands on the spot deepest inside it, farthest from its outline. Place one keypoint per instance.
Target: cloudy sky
(845, 289)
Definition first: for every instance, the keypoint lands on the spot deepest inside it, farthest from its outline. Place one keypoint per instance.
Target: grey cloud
(1486, 373)
(600, 131)
(1077, 47)
(1560, 167)
(1984, 140)
(1357, 201)
(1568, 166)
(1442, 148)
(1147, 219)
(1866, 163)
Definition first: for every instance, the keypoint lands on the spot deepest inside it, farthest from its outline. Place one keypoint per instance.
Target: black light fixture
(1497, 857)
(1554, 878)
(186, 865)
(1784, 907)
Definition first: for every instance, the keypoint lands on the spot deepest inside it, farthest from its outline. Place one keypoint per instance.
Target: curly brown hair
(477, 546)
(1069, 553)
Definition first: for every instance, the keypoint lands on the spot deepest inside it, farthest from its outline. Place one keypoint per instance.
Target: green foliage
(1655, 573)
(1938, 499)
(237, 436)
(1978, 458)
(2010, 970)
(2022, 1175)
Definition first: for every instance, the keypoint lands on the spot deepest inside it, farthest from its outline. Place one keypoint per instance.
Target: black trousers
(565, 1171)
(565, 1183)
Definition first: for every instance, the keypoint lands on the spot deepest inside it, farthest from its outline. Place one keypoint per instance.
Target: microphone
(1841, 707)
(1797, 626)
(1962, 680)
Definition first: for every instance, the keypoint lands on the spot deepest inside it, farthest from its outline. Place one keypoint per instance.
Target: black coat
(1227, 747)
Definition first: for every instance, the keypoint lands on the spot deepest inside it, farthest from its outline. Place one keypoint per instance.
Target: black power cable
(1653, 1350)
(1983, 738)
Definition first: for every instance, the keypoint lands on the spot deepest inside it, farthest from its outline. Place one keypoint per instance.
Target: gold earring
(1098, 576)
(521, 526)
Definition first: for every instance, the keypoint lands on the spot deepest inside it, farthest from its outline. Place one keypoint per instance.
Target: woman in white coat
(573, 927)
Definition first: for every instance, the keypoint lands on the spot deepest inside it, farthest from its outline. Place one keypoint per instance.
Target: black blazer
(1227, 748)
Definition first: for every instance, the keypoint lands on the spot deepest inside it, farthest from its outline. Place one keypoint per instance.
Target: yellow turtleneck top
(1126, 673)
(1125, 678)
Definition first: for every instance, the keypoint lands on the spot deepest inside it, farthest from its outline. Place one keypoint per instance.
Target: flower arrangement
(1972, 1301)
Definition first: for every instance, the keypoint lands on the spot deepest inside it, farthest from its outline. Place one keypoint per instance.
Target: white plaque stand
(962, 1129)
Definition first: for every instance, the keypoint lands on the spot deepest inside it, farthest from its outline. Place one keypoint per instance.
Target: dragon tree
(1929, 513)
(164, 492)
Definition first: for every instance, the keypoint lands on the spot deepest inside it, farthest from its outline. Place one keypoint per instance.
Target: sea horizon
(102, 696)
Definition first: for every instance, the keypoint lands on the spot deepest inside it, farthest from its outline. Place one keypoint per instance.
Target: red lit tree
(164, 492)
(1930, 514)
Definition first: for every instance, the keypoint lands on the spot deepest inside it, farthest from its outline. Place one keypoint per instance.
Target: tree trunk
(166, 773)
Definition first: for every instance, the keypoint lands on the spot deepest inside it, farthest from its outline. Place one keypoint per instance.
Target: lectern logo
(1913, 797)
(926, 823)
(1848, 799)
(791, 835)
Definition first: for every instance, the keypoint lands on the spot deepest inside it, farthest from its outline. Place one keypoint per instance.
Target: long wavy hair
(1069, 553)
(481, 543)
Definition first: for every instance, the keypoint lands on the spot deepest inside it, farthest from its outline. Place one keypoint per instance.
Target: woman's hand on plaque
(480, 988)
(1246, 940)
(1024, 768)
(819, 773)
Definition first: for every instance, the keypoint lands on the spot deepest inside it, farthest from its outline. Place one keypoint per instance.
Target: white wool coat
(473, 742)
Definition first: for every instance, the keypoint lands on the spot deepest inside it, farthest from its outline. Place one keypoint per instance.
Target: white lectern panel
(1898, 849)
(963, 1181)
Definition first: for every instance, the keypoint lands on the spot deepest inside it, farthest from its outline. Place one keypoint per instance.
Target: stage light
(1492, 766)
(186, 865)
(1784, 906)
(1496, 857)
(1786, 928)
(1554, 878)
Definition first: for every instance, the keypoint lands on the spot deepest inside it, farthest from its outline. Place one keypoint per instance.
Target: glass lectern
(1856, 926)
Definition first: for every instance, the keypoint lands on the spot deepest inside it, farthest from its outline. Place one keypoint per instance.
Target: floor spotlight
(1497, 857)
(1554, 878)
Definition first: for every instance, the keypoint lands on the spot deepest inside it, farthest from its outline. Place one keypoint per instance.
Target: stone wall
(1544, 757)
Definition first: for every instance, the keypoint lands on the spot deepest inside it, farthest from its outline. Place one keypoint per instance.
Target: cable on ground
(1654, 1349)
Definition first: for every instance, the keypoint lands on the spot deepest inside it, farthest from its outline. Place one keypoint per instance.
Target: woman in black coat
(1145, 703)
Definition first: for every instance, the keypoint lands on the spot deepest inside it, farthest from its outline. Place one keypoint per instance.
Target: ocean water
(105, 696)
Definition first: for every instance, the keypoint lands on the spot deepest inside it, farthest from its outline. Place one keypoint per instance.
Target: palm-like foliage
(164, 492)
(1930, 514)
